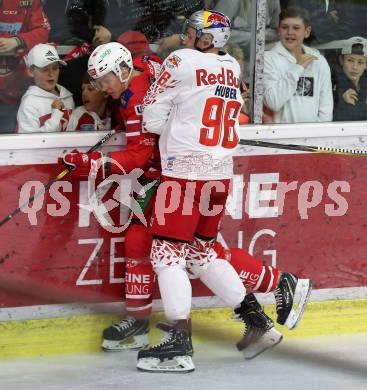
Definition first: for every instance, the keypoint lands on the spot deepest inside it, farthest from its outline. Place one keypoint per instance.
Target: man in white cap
(46, 106)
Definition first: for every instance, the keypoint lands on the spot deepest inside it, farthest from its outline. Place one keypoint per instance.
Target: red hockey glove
(82, 164)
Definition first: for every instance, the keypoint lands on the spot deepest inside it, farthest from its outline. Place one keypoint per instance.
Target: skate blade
(179, 364)
(133, 342)
(267, 341)
(301, 297)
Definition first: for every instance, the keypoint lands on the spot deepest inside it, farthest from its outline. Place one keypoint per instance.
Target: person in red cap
(136, 42)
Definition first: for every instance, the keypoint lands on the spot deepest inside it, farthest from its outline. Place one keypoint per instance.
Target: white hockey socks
(175, 289)
(221, 278)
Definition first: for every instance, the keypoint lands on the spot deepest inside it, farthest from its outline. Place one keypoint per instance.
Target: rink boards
(302, 212)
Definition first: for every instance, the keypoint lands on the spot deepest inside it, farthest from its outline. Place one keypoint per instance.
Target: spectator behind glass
(324, 19)
(159, 20)
(55, 11)
(136, 42)
(85, 16)
(23, 24)
(46, 106)
(75, 21)
(350, 90)
(352, 15)
(95, 113)
(297, 80)
(240, 13)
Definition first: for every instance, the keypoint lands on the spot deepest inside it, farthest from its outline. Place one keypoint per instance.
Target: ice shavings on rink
(325, 363)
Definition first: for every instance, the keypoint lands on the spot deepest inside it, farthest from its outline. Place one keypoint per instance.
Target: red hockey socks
(139, 284)
(139, 275)
(254, 275)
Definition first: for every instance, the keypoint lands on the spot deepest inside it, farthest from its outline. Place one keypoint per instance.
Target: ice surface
(322, 363)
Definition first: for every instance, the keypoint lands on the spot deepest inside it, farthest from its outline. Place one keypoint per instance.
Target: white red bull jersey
(194, 106)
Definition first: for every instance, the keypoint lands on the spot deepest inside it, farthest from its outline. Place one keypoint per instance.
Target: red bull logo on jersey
(215, 19)
(225, 77)
(173, 61)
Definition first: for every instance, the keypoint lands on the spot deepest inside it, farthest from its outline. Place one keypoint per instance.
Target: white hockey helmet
(107, 58)
(210, 22)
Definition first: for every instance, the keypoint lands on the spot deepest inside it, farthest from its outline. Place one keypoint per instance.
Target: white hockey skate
(177, 364)
(291, 296)
(172, 354)
(260, 334)
(130, 333)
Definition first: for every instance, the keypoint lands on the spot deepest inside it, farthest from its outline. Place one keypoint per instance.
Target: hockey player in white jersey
(194, 107)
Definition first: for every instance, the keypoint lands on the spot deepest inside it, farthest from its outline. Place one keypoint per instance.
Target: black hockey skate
(130, 333)
(172, 354)
(291, 296)
(259, 334)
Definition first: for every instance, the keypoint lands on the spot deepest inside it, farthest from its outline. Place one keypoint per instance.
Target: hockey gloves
(82, 165)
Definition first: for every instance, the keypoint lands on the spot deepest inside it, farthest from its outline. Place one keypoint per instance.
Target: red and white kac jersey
(36, 115)
(25, 20)
(194, 106)
(83, 120)
(141, 148)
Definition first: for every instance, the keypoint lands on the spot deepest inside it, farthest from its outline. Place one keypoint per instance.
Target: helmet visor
(185, 26)
(105, 82)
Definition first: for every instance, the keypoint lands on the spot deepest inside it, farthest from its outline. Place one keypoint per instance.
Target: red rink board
(326, 242)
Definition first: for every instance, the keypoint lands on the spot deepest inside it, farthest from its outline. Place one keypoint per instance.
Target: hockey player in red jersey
(113, 71)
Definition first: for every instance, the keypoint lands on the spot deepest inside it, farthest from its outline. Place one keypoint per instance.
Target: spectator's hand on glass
(58, 104)
(334, 15)
(172, 41)
(101, 35)
(350, 96)
(306, 59)
(8, 44)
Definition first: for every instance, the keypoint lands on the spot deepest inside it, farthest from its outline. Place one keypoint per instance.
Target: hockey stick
(304, 148)
(54, 180)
